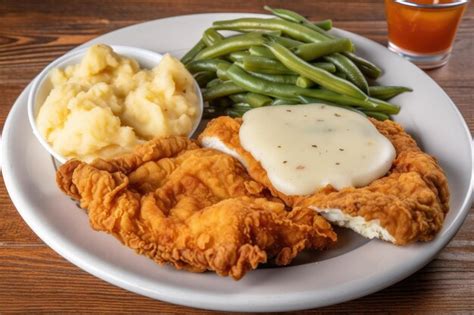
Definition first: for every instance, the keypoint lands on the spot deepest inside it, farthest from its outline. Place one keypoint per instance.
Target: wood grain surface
(33, 278)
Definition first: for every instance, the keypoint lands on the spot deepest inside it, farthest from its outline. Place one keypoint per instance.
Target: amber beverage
(423, 31)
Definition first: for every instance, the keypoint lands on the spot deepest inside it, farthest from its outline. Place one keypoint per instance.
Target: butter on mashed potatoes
(106, 104)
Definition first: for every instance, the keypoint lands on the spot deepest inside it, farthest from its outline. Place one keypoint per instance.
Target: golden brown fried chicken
(191, 207)
(222, 134)
(408, 204)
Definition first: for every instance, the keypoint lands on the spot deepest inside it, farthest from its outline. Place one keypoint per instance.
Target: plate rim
(299, 304)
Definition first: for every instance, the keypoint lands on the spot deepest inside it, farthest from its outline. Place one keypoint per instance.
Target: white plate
(356, 269)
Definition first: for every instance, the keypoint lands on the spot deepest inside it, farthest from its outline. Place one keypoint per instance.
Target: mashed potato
(106, 105)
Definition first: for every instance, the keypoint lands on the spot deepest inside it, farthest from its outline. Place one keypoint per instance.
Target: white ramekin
(42, 86)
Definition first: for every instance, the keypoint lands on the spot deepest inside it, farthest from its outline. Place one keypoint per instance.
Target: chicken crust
(410, 202)
(226, 129)
(194, 208)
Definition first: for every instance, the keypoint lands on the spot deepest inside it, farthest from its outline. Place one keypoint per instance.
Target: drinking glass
(423, 31)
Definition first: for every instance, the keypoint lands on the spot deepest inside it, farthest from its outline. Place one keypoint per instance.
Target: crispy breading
(410, 202)
(194, 208)
(226, 129)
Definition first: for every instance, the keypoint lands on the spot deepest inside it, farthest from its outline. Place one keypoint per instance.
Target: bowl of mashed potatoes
(102, 101)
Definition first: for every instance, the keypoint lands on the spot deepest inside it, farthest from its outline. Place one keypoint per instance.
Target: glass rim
(431, 6)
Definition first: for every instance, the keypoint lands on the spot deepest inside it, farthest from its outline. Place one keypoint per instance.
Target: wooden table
(33, 33)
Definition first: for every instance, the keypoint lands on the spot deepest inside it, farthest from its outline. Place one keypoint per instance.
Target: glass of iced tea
(423, 31)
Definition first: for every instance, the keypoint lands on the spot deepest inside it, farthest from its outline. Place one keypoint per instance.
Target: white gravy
(306, 147)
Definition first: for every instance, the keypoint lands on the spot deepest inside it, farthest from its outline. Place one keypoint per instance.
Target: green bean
(324, 24)
(214, 82)
(377, 115)
(262, 31)
(224, 89)
(264, 65)
(385, 107)
(238, 110)
(272, 62)
(304, 82)
(353, 73)
(323, 32)
(205, 65)
(340, 74)
(222, 71)
(189, 56)
(294, 17)
(310, 100)
(239, 63)
(281, 101)
(277, 78)
(298, 32)
(203, 78)
(211, 37)
(321, 77)
(261, 51)
(242, 106)
(313, 51)
(387, 92)
(238, 55)
(286, 91)
(234, 113)
(258, 100)
(285, 41)
(286, 14)
(329, 67)
(231, 44)
(253, 99)
(369, 72)
(261, 86)
(238, 98)
(293, 30)
(345, 64)
(330, 96)
(367, 68)
(271, 66)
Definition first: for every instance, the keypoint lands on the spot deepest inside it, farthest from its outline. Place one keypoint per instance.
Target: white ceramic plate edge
(194, 299)
(298, 302)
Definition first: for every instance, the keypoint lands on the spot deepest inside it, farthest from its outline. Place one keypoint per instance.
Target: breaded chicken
(222, 134)
(194, 208)
(408, 204)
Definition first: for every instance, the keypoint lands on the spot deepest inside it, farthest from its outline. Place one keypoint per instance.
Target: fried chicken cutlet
(194, 208)
(408, 204)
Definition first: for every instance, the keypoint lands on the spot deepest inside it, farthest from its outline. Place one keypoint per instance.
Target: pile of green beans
(284, 60)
